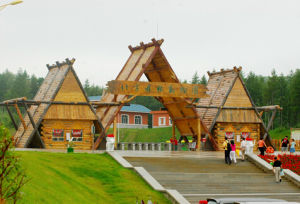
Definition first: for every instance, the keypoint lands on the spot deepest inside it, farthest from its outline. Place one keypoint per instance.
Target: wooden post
(21, 117)
(11, 117)
(173, 129)
(199, 135)
(35, 128)
(270, 123)
(115, 131)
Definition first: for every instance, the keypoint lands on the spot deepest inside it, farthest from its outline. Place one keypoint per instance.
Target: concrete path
(200, 175)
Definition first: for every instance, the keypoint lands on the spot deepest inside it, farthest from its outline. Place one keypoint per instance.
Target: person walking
(243, 149)
(227, 151)
(232, 152)
(262, 146)
(284, 144)
(276, 169)
(292, 147)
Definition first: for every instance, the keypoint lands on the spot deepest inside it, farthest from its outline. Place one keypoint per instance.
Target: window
(137, 119)
(77, 135)
(170, 121)
(58, 135)
(161, 121)
(124, 119)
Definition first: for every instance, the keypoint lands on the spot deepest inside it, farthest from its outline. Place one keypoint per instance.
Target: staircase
(207, 176)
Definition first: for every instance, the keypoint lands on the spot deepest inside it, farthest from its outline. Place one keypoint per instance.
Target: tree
(294, 98)
(35, 83)
(203, 80)
(6, 81)
(255, 85)
(195, 79)
(12, 176)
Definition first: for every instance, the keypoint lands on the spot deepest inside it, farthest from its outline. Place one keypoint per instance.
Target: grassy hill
(81, 178)
(146, 135)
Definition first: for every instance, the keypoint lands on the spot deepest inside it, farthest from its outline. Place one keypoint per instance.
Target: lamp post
(10, 4)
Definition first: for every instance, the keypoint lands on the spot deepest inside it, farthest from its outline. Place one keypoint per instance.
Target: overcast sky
(259, 35)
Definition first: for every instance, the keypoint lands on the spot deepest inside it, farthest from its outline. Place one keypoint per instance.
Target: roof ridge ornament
(156, 43)
(60, 64)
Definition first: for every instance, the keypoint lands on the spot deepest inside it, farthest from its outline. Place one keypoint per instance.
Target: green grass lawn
(280, 133)
(81, 178)
(145, 135)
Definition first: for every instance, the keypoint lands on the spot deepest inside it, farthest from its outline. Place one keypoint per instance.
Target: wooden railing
(277, 144)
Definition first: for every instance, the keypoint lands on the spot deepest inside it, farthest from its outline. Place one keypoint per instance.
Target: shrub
(12, 176)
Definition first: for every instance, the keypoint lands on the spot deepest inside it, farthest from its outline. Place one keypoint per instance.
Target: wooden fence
(277, 144)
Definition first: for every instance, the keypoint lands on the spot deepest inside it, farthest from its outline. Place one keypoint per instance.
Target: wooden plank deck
(202, 175)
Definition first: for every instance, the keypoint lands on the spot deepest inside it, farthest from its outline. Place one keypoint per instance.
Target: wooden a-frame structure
(60, 98)
(230, 108)
(148, 59)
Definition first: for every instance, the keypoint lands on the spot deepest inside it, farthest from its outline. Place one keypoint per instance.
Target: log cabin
(56, 123)
(240, 118)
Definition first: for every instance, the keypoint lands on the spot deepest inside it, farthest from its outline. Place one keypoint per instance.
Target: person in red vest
(174, 143)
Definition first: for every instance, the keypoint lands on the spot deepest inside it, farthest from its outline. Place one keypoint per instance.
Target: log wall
(67, 126)
(237, 128)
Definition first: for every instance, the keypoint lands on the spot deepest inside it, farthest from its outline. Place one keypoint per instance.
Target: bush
(12, 177)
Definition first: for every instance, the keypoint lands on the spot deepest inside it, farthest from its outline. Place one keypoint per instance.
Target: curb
(171, 194)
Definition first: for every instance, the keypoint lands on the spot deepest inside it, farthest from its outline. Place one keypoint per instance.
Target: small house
(229, 110)
(65, 113)
(131, 116)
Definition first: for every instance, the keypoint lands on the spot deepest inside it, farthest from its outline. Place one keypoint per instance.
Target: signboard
(158, 89)
(68, 136)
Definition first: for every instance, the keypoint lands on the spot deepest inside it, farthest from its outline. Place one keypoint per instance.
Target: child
(292, 148)
(232, 152)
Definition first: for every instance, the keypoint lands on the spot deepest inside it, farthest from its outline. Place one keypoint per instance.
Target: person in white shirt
(243, 148)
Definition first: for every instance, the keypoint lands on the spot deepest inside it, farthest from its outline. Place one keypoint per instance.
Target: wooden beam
(94, 103)
(185, 118)
(12, 118)
(173, 129)
(263, 108)
(156, 69)
(158, 89)
(35, 128)
(198, 134)
(270, 123)
(20, 116)
(115, 132)
(14, 100)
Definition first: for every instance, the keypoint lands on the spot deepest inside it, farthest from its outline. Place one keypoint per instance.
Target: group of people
(230, 149)
(192, 145)
(285, 144)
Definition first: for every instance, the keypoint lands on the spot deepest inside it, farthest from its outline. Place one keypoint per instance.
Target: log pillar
(115, 131)
(173, 129)
(198, 135)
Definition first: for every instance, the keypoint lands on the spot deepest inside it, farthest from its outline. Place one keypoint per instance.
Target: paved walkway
(200, 175)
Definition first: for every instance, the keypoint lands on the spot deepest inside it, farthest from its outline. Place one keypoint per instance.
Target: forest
(275, 89)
